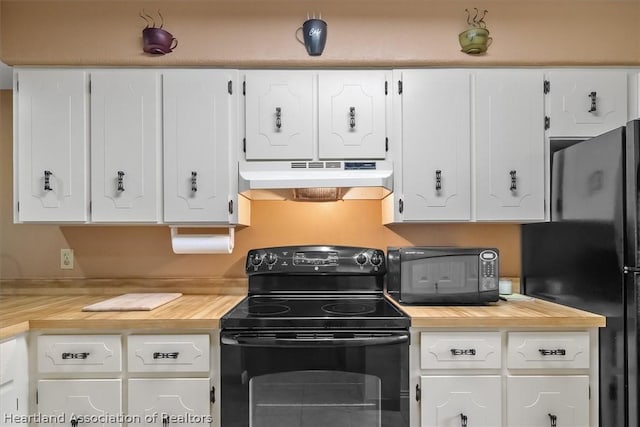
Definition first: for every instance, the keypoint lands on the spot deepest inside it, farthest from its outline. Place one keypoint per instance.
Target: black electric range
(315, 287)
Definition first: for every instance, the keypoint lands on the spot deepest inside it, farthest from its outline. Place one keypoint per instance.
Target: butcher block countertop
(19, 313)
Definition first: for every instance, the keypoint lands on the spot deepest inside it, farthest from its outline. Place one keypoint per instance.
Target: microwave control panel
(489, 270)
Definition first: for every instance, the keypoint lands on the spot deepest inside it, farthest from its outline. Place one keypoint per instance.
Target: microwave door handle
(305, 340)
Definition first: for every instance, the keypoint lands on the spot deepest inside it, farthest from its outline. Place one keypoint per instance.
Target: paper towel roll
(202, 243)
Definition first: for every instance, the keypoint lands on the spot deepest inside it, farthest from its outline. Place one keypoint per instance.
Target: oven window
(314, 398)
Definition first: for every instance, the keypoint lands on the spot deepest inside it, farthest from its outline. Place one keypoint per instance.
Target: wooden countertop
(21, 313)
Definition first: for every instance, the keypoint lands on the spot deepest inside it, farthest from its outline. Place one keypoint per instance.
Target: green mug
(475, 40)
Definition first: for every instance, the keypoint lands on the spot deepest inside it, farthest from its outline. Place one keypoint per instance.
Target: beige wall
(360, 32)
(32, 251)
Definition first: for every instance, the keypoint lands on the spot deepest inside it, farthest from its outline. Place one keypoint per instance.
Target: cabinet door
(586, 103)
(436, 150)
(548, 401)
(454, 401)
(14, 381)
(198, 112)
(51, 137)
(352, 115)
(279, 115)
(94, 402)
(162, 402)
(509, 131)
(125, 146)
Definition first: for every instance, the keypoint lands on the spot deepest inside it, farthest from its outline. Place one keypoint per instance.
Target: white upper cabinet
(199, 121)
(508, 127)
(586, 103)
(125, 146)
(307, 115)
(352, 114)
(280, 115)
(51, 146)
(436, 145)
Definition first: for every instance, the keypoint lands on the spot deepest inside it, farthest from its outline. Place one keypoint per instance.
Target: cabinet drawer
(548, 350)
(173, 353)
(79, 353)
(7, 361)
(460, 350)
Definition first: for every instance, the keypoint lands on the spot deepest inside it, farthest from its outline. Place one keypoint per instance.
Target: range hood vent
(316, 180)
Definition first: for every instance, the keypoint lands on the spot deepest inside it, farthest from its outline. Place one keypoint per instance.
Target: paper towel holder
(202, 243)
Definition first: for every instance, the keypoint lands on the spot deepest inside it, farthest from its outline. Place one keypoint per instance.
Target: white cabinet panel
(460, 350)
(542, 401)
(453, 401)
(509, 133)
(199, 114)
(125, 146)
(79, 353)
(95, 402)
(279, 115)
(161, 402)
(436, 145)
(566, 350)
(14, 382)
(51, 145)
(586, 103)
(168, 353)
(352, 114)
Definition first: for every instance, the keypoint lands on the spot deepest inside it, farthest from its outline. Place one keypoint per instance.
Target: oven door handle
(307, 340)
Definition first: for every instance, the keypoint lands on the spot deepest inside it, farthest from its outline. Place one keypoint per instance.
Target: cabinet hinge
(90, 207)
(17, 85)
(547, 122)
(400, 206)
(244, 145)
(230, 87)
(386, 144)
(418, 393)
(230, 206)
(212, 395)
(244, 88)
(36, 397)
(18, 206)
(17, 404)
(386, 87)
(399, 87)
(546, 86)
(89, 86)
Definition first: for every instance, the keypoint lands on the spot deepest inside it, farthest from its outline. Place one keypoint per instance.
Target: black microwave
(442, 275)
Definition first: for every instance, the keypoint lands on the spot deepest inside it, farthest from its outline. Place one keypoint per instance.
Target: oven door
(315, 378)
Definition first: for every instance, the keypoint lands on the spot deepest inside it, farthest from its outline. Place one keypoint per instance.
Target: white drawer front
(79, 353)
(7, 361)
(548, 350)
(172, 353)
(460, 350)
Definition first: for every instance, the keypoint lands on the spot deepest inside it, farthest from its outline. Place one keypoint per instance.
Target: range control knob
(256, 259)
(271, 258)
(361, 259)
(376, 259)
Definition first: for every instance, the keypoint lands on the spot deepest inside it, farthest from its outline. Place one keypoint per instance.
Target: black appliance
(442, 275)
(315, 343)
(587, 256)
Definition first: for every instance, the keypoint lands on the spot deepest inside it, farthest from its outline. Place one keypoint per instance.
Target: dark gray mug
(314, 32)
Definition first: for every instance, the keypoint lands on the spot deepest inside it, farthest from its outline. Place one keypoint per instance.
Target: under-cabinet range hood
(316, 180)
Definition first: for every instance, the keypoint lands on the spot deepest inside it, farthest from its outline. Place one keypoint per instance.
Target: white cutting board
(133, 302)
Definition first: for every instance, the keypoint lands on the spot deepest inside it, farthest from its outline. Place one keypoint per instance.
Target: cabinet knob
(463, 420)
(352, 117)
(47, 180)
(438, 180)
(120, 181)
(194, 184)
(514, 180)
(74, 422)
(594, 107)
(278, 118)
(165, 420)
(553, 420)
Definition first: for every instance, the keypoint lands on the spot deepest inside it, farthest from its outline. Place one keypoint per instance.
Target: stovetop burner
(265, 309)
(349, 308)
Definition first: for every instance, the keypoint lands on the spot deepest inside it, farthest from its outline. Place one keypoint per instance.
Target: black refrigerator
(587, 256)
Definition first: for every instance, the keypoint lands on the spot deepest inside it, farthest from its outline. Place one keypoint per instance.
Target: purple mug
(158, 41)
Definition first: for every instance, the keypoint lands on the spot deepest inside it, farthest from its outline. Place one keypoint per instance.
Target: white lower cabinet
(543, 401)
(14, 382)
(83, 402)
(457, 401)
(503, 378)
(169, 402)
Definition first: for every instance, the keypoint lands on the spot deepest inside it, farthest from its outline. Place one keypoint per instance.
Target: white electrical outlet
(66, 259)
